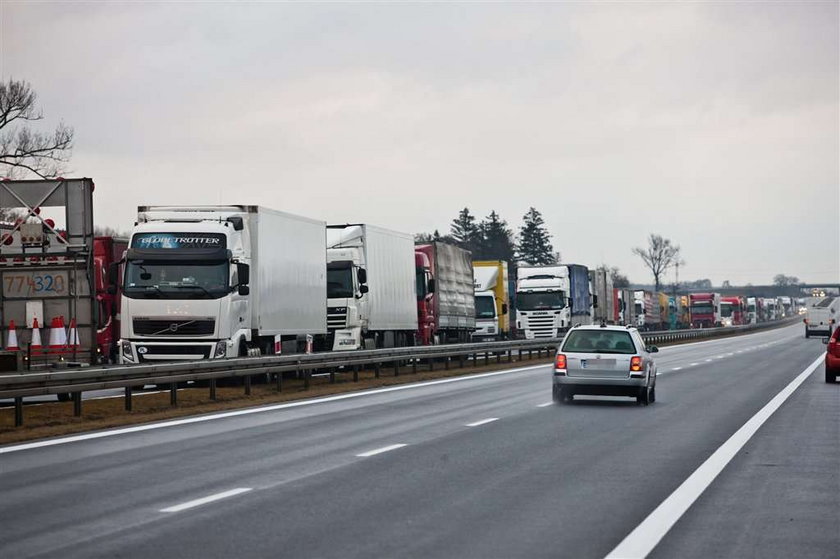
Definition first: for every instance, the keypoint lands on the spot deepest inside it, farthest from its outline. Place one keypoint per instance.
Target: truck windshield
(545, 300)
(146, 279)
(639, 309)
(701, 309)
(725, 309)
(340, 281)
(485, 306)
(751, 308)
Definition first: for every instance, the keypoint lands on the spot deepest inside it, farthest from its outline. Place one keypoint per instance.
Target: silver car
(606, 361)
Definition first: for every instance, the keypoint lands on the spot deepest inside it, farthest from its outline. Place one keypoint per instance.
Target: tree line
(493, 239)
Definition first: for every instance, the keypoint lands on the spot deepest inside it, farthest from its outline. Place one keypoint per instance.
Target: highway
(481, 466)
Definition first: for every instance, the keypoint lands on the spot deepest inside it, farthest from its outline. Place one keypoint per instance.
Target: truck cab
(542, 303)
(491, 300)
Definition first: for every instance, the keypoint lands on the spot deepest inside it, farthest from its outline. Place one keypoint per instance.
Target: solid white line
(545, 405)
(482, 422)
(380, 450)
(249, 411)
(205, 500)
(641, 541)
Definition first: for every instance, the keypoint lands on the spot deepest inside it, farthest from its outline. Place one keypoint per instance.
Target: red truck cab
(425, 293)
(733, 311)
(704, 309)
(106, 251)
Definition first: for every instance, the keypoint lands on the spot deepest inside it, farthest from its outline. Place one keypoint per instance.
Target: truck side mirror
(431, 285)
(504, 308)
(244, 289)
(362, 275)
(111, 289)
(243, 272)
(363, 289)
(595, 301)
(571, 302)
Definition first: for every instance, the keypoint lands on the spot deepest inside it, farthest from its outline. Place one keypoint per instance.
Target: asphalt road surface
(482, 466)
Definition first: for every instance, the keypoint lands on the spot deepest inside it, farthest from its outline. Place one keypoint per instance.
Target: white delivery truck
(821, 316)
(210, 282)
(371, 291)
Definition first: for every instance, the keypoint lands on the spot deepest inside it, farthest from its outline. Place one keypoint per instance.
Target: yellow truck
(492, 320)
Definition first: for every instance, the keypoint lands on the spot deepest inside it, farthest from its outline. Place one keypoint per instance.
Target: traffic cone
(36, 335)
(11, 338)
(73, 335)
(58, 337)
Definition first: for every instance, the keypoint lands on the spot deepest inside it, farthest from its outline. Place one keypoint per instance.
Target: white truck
(551, 299)
(821, 316)
(211, 282)
(492, 321)
(371, 292)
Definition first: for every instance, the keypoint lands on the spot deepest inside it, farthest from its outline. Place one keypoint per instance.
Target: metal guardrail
(76, 381)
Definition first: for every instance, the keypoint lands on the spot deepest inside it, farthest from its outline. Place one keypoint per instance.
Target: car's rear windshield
(600, 341)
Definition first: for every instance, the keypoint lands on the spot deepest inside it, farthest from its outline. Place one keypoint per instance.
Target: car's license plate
(593, 362)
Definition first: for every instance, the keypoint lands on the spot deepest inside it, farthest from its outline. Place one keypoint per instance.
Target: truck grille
(541, 326)
(336, 318)
(177, 352)
(168, 328)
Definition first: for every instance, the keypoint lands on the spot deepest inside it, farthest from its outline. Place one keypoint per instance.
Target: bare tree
(659, 256)
(21, 148)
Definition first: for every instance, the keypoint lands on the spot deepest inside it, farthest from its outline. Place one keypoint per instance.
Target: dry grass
(56, 418)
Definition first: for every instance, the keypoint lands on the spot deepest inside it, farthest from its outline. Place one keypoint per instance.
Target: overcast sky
(716, 125)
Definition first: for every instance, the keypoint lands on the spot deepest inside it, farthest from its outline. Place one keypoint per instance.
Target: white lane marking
(641, 541)
(545, 405)
(376, 451)
(482, 422)
(720, 357)
(249, 411)
(208, 499)
(693, 364)
(708, 360)
(676, 368)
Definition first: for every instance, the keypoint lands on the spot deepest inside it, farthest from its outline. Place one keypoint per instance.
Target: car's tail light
(805, 320)
(834, 347)
(635, 363)
(560, 361)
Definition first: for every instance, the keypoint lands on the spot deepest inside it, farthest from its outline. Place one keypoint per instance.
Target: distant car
(604, 361)
(832, 357)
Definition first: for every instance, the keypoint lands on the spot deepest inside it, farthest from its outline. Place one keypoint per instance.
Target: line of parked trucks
(211, 282)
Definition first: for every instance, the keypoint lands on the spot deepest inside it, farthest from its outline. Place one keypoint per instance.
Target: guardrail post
(279, 381)
(173, 394)
(247, 385)
(475, 360)
(414, 365)
(431, 363)
(446, 363)
(376, 370)
(498, 358)
(486, 358)
(18, 411)
(332, 375)
(213, 389)
(355, 373)
(127, 398)
(509, 356)
(396, 367)
(77, 404)
(461, 360)
(530, 354)
(307, 377)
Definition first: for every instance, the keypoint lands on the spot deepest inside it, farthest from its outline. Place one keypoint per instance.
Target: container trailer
(445, 293)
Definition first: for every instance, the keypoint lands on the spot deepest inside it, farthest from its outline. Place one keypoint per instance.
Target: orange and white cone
(58, 337)
(36, 335)
(11, 338)
(73, 335)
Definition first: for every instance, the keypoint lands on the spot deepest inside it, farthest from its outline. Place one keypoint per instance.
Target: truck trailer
(551, 299)
(603, 299)
(492, 300)
(445, 294)
(210, 282)
(372, 296)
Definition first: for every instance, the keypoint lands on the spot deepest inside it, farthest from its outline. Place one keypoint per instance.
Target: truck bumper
(141, 351)
(347, 339)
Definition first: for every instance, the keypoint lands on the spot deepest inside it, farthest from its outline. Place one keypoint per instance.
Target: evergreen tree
(465, 232)
(535, 241)
(496, 240)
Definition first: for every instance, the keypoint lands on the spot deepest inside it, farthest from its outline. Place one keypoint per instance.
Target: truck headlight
(126, 350)
(221, 349)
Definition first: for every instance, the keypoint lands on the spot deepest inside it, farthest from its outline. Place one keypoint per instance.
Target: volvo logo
(173, 327)
(142, 350)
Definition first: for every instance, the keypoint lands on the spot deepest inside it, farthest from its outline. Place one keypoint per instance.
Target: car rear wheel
(830, 376)
(644, 396)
